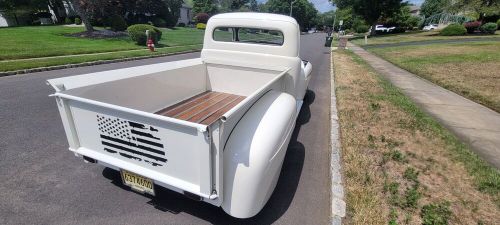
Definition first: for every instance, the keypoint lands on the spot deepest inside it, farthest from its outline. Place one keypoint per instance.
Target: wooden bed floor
(204, 108)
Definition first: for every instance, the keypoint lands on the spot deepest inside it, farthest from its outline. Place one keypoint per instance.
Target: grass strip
(486, 178)
(45, 62)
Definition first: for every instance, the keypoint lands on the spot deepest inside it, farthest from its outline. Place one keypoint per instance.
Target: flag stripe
(149, 142)
(133, 151)
(132, 144)
(143, 134)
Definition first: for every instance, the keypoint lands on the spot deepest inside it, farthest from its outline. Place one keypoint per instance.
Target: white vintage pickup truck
(215, 128)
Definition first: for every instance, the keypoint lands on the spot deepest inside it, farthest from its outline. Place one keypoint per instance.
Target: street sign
(341, 22)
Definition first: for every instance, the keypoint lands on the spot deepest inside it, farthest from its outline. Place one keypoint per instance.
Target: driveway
(43, 183)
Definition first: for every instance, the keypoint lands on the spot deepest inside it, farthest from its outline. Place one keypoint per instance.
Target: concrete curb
(337, 189)
(92, 63)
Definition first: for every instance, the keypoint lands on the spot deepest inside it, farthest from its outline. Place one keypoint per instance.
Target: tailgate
(172, 152)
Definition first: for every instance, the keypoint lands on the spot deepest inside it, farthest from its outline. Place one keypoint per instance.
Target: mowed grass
(416, 36)
(400, 166)
(43, 41)
(45, 62)
(470, 69)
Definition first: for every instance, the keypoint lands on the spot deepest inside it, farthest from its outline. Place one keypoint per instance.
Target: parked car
(214, 128)
(430, 27)
(381, 28)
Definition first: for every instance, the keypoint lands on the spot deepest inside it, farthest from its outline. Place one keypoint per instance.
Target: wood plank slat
(204, 108)
(200, 107)
(182, 106)
(218, 114)
(201, 115)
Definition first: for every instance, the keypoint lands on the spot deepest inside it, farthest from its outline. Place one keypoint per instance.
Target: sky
(325, 5)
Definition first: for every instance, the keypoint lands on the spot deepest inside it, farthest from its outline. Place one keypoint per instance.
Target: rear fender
(254, 153)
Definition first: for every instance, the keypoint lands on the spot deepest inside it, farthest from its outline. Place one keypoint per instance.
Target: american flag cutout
(131, 140)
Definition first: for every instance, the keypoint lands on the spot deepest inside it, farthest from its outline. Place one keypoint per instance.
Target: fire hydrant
(150, 43)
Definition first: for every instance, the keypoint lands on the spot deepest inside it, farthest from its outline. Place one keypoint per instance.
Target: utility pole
(291, 7)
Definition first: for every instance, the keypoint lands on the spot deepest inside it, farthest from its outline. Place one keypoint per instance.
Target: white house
(186, 14)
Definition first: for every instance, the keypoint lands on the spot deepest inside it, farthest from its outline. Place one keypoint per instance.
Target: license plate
(138, 183)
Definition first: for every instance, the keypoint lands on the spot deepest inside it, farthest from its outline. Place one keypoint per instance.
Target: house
(8, 19)
(186, 14)
(414, 10)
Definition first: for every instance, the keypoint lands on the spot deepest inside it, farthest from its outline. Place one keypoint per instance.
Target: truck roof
(255, 16)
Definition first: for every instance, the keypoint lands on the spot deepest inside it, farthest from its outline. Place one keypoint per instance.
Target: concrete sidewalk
(473, 123)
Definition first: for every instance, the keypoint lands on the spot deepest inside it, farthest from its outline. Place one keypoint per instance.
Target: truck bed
(204, 108)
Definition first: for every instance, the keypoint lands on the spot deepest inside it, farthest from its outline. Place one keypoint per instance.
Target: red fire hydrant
(150, 43)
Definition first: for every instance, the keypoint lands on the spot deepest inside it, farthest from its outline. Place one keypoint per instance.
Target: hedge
(137, 33)
(453, 30)
(489, 28)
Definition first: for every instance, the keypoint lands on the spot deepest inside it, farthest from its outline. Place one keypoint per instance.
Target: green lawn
(34, 42)
(30, 42)
(470, 69)
(415, 36)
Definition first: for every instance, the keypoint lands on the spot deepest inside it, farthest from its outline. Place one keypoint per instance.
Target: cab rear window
(248, 35)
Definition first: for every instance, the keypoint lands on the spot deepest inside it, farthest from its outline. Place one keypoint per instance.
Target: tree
(303, 11)
(481, 7)
(84, 9)
(204, 6)
(325, 19)
(254, 6)
(431, 7)
(172, 11)
(237, 4)
(371, 10)
(403, 18)
(13, 7)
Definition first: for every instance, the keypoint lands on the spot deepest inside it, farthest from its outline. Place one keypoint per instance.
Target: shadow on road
(173, 202)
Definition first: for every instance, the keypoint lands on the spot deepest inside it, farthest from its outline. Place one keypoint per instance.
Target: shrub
(435, 214)
(453, 30)
(498, 24)
(137, 33)
(68, 21)
(181, 25)
(117, 23)
(489, 28)
(361, 28)
(201, 26)
(78, 21)
(472, 26)
(201, 18)
(159, 22)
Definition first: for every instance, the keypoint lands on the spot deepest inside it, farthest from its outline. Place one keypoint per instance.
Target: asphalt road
(41, 182)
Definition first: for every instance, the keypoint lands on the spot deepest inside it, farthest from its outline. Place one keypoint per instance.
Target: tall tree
(13, 7)
(371, 10)
(303, 11)
(431, 7)
(237, 4)
(254, 6)
(84, 9)
(204, 6)
(172, 12)
(481, 7)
